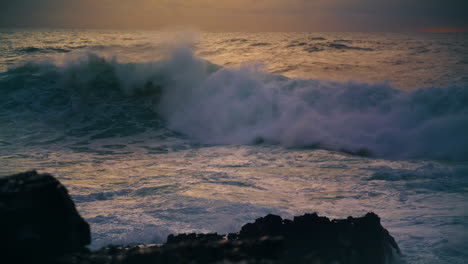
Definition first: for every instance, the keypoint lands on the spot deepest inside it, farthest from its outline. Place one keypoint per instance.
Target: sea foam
(246, 105)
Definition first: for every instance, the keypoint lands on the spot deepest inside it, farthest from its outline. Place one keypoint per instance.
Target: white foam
(239, 106)
(246, 105)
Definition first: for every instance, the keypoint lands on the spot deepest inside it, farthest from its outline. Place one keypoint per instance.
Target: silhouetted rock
(270, 225)
(306, 239)
(192, 237)
(38, 218)
(352, 240)
(38, 221)
(259, 250)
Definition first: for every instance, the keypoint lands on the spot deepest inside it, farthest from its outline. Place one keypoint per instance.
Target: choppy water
(155, 133)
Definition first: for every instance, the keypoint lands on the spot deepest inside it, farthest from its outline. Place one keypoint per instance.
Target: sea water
(157, 132)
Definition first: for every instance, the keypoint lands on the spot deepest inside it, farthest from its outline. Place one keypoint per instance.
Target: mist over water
(204, 133)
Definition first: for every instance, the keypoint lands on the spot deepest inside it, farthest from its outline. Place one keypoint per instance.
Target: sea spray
(245, 105)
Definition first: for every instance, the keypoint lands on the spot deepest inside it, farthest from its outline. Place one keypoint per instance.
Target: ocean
(156, 132)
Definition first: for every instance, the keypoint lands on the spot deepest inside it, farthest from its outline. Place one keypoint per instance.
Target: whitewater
(156, 132)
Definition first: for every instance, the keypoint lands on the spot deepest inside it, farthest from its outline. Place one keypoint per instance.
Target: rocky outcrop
(39, 224)
(352, 240)
(38, 219)
(271, 239)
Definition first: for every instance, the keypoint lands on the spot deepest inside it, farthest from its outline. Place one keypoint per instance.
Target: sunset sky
(241, 15)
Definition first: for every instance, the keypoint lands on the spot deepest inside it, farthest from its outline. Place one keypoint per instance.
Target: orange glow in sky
(240, 15)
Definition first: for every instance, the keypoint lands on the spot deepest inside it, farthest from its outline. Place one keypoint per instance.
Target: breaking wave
(246, 105)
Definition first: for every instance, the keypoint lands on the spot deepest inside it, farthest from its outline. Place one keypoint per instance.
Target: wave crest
(242, 106)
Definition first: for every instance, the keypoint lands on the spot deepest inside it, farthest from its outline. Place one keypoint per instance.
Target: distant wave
(216, 105)
(317, 38)
(260, 44)
(43, 50)
(328, 46)
(85, 47)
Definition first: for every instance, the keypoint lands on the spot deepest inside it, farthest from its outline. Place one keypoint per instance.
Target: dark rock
(38, 218)
(39, 222)
(306, 239)
(171, 239)
(270, 225)
(352, 240)
(259, 250)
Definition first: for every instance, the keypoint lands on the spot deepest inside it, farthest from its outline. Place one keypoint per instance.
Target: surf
(245, 105)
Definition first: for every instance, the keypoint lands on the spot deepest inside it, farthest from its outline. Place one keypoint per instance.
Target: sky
(241, 15)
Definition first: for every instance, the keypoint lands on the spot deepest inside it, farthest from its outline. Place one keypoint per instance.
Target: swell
(216, 105)
(42, 50)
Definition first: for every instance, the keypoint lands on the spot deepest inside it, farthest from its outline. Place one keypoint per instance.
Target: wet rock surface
(39, 219)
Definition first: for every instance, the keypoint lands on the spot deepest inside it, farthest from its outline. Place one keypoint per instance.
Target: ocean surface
(159, 132)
